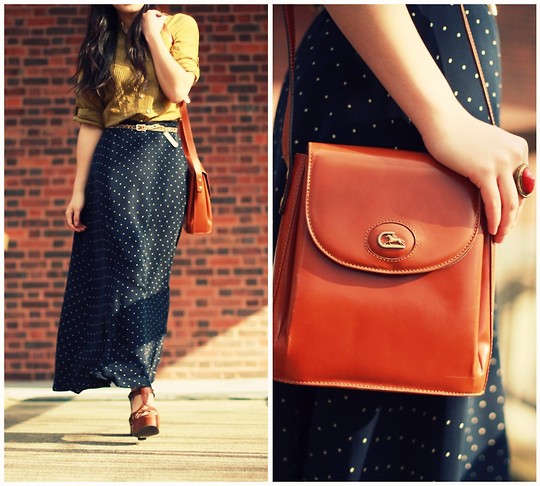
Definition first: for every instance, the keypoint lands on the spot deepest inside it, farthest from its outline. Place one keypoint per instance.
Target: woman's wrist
(152, 37)
(79, 185)
(77, 191)
(437, 120)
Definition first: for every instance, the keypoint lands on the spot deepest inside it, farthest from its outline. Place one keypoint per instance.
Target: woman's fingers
(156, 17)
(502, 205)
(73, 220)
(69, 219)
(489, 156)
(492, 204)
(77, 219)
(510, 206)
(518, 152)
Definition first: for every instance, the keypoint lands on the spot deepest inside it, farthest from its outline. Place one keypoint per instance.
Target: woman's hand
(87, 141)
(386, 38)
(152, 23)
(173, 79)
(73, 213)
(488, 156)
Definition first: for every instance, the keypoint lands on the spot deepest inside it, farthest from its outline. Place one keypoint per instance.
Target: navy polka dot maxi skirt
(114, 315)
(331, 434)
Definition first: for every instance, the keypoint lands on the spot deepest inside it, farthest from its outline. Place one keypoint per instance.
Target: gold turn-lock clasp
(389, 239)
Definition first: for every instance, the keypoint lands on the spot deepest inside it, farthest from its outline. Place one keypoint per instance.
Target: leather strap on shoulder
(478, 63)
(286, 136)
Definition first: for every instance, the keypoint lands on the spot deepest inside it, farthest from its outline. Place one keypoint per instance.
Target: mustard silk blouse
(126, 100)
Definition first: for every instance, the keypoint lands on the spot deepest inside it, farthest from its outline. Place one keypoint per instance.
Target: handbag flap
(388, 211)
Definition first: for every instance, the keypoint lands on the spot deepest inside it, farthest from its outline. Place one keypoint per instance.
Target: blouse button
(148, 111)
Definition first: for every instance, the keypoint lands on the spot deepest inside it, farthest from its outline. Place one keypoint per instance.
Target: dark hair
(97, 52)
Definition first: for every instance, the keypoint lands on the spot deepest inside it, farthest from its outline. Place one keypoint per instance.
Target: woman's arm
(386, 38)
(89, 136)
(174, 80)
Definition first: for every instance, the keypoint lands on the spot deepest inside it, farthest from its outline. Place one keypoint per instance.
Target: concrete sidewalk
(210, 431)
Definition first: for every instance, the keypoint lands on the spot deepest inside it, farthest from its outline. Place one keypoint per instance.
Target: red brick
(207, 297)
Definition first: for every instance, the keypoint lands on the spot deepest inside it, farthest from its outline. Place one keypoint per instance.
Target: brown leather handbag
(383, 274)
(198, 216)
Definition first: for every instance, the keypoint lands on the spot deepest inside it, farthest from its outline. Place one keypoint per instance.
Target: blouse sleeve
(185, 46)
(89, 109)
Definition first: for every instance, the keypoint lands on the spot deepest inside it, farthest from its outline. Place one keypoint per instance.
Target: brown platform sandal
(144, 422)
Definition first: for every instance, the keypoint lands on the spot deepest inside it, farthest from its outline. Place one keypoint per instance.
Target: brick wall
(218, 319)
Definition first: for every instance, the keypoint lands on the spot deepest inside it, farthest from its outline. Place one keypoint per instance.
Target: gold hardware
(389, 239)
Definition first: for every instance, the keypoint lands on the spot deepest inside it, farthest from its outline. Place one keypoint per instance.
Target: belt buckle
(140, 127)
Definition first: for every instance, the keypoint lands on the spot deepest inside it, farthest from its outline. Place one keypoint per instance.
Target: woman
(403, 77)
(135, 64)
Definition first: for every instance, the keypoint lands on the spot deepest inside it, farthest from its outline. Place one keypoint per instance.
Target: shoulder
(181, 23)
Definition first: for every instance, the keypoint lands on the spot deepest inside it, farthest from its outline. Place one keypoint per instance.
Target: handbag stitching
(379, 387)
(333, 257)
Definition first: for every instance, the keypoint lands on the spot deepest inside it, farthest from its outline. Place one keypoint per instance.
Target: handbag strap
(472, 44)
(186, 135)
(286, 136)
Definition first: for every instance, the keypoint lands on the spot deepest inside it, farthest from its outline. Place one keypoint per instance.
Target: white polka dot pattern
(325, 434)
(114, 315)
